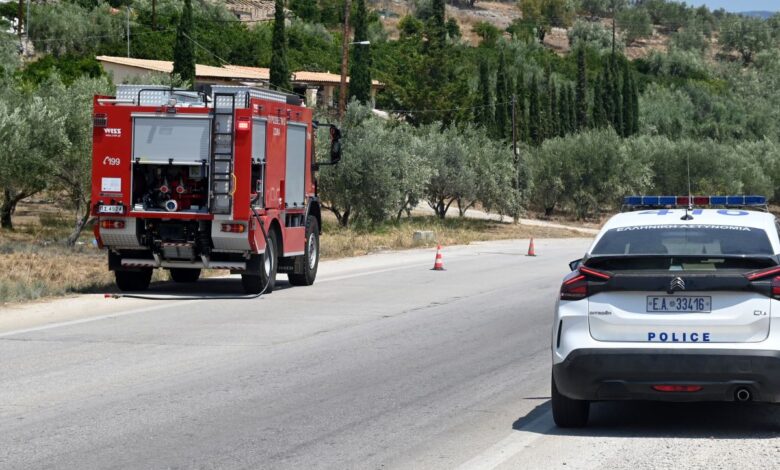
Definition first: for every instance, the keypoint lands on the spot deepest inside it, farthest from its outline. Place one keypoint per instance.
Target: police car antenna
(689, 207)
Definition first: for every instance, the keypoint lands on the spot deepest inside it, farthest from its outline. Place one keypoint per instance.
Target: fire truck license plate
(111, 209)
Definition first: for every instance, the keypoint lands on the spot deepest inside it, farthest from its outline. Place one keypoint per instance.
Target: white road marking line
(507, 448)
(369, 273)
(92, 319)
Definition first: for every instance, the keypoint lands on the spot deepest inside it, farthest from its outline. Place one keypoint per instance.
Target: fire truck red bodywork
(234, 237)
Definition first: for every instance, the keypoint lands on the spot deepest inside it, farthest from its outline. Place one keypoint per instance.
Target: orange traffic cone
(438, 265)
(531, 251)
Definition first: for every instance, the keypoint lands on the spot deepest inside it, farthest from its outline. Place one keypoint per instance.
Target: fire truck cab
(223, 178)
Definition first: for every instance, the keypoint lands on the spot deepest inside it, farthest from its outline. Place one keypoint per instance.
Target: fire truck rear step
(203, 264)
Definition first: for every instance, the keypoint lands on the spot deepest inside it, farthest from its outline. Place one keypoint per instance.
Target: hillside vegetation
(591, 120)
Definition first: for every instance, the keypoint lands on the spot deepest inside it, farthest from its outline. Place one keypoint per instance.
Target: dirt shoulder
(34, 264)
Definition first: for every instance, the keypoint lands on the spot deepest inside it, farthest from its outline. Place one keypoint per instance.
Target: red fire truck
(222, 178)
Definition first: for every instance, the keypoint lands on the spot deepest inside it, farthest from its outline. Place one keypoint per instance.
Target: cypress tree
(563, 111)
(437, 28)
(535, 124)
(360, 72)
(634, 107)
(572, 110)
(280, 72)
(599, 113)
(582, 90)
(548, 126)
(520, 113)
(607, 93)
(484, 113)
(617, 101)
(628, 113)
(184, 48)
(502, 96)
(554, 121)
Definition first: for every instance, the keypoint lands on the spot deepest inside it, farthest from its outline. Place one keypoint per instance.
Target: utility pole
(128, 31)
(515, 156)
(514, 128)
(19, 18)
(344, 58)
(614, 10)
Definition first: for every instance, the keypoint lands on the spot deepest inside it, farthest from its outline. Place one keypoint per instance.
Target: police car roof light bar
(670, 202)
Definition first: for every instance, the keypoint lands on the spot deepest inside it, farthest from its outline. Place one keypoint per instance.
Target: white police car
(672, 302)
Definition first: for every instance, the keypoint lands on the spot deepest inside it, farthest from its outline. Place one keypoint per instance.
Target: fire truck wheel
(311, 256)
(185, 275)
(133, 280)
(253, 284)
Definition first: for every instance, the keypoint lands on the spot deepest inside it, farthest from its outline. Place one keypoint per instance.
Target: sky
(739, 5)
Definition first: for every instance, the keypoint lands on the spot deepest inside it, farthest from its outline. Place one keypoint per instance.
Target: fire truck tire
(253, 284)
(311, 256)
(133, 280)
(185, 275)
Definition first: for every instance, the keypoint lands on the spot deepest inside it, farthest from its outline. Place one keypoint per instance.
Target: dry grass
(339, 242)
(35, 264)
(31, 271)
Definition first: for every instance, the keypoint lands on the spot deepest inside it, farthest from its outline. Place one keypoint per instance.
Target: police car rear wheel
(567, 412)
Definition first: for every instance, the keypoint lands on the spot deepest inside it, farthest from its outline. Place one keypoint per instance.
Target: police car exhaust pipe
(742, 394)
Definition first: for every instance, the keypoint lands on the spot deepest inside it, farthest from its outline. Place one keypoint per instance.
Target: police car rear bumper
(630, 374)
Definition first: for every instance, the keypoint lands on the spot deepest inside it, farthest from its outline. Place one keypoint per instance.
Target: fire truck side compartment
(295, 175)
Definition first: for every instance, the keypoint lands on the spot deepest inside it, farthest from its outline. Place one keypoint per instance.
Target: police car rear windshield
(684, 240)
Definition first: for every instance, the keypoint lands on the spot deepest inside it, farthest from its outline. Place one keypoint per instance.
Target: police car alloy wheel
(674, 301)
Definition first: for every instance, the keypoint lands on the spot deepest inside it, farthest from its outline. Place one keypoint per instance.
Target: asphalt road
(383, 363)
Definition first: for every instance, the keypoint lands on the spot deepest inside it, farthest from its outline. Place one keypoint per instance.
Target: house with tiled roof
(318, 87)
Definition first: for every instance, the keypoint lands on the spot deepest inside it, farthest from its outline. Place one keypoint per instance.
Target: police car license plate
(679, 304)
(111, 209)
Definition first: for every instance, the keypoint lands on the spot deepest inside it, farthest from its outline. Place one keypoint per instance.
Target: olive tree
(71, 169)
(381, 172)
(745, 35)
(32, 132)
(593, 172)
(453, 174)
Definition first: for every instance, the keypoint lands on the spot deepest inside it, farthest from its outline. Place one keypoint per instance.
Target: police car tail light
(763, 274)
(601, 275)
(575, 288)
(677, 388)
(776, 287)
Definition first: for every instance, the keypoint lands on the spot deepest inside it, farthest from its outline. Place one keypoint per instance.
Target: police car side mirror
(575, 264)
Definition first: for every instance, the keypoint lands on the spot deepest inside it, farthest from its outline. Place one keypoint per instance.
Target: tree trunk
(8, 207)
(80, 224)
(399, 214)
(344, 220)
(548, 211)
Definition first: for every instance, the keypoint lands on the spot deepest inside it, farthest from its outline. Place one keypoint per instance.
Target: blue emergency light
(697, 201)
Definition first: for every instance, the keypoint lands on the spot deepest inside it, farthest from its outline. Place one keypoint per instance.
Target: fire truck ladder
(222, 134)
